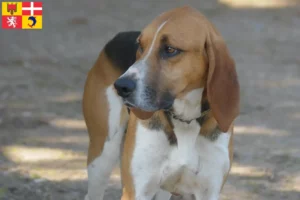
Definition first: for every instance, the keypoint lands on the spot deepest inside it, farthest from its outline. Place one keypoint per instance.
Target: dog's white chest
(183, 163)
(195, 165)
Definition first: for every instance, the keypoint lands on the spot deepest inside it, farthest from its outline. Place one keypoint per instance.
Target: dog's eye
(169, 51)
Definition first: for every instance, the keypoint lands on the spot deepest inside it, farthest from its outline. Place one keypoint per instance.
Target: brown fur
(127, 181)
(95, 106)
(222, 84)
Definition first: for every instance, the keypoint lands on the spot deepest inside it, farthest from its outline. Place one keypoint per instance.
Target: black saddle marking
(121, 50)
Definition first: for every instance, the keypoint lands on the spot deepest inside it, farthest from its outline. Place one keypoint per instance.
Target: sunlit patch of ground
(295, 115)
(256, 179)
(259, 130)
(259, 3)
(68, 123)
(291, 82)
(48, 163)
(67, 97)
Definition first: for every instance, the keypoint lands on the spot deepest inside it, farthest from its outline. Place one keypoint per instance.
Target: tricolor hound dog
(163, 102)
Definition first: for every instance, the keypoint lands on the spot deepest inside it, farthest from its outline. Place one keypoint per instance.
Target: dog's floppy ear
(223, 91)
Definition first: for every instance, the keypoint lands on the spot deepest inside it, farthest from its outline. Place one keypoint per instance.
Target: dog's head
(181, 51)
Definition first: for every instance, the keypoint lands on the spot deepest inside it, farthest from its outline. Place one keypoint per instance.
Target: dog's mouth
(167, 106)
(150, 106)
(128, 104)
(138, 112)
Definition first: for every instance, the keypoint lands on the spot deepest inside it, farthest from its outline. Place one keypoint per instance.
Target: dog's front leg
(210, 196)
(144, 152)
(143, 187)
(211, 191)
(106, 119)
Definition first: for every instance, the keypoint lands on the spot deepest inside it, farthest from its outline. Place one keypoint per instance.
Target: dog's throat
(211, 133)
(200, 119)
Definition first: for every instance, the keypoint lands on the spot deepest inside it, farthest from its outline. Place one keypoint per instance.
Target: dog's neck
(199, 119)
(194, 106)
(187, 108)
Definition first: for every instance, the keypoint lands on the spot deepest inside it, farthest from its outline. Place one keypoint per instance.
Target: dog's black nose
(124, 86)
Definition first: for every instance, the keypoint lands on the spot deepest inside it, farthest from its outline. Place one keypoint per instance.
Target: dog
(162, 102)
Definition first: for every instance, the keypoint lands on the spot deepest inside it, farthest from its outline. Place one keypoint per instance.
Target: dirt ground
(43, 138)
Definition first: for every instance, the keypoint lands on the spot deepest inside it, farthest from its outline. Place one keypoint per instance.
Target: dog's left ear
(223, 91)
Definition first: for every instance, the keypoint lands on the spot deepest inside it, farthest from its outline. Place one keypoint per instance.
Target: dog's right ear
(223, 91)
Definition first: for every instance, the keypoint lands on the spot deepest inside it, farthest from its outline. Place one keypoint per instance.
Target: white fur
(195, 166)
(150, 151)
(153, 41)
(115, 105)
(140, 68)
(133, 71)
(100, 169)
(140, 94)
(189, 107)
(162, 195)
(204, 162)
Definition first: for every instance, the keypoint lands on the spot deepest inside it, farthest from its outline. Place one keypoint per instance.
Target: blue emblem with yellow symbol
(31, 21)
